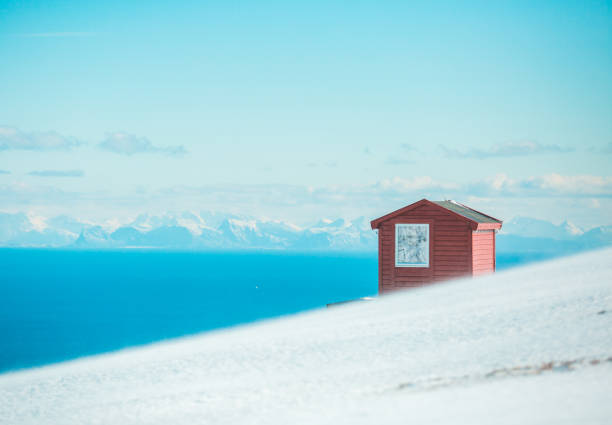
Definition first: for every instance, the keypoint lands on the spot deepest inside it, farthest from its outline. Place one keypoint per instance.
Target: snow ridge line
(434, 383)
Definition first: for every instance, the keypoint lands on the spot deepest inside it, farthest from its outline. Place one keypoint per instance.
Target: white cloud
(12, 138)
(594, 203)
(57, 173)
(129, 144)
(551, 195)
(398, 161)
(543, 186)
(510, 149)
(413, 184)
(25, 194)
(408, 147)
(606, 149)
(576, 185)
(331, 164)
(499, 183)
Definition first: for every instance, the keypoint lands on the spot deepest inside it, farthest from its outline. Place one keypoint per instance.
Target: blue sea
(58, 305)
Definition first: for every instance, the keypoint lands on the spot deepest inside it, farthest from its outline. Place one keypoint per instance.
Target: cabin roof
(467, 212)
(477, 219)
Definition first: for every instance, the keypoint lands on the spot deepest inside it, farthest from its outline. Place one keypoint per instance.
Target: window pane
(412, 245)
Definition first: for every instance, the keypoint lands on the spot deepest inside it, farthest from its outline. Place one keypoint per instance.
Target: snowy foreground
(531, 345)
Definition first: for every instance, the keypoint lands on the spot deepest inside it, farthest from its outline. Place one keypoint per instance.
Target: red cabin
(429, 241)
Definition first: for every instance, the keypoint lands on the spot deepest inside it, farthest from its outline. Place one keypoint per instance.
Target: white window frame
(420, 265)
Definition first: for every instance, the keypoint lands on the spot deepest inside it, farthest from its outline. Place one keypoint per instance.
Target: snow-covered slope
(531, 345)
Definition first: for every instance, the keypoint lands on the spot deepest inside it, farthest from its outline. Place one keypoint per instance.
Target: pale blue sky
(279, 100)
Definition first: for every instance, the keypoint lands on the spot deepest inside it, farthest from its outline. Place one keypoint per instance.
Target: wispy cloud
(21, 193)
(579, 185)
(302, 203)
(56, 34)
(12, 138)
(510, 149)
(331, 164)
(606, 149)
(398, 161)
(129, 144)
(549, 185)
(408, 147)
(421, 183)
(57, 173)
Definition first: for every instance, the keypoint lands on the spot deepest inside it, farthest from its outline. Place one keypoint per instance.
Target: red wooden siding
(483, 252)
(450, 249)
(461, 243)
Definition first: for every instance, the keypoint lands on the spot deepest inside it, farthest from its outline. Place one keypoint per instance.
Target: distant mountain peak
(536, 228)
(215, 230)
(571, 228)
(36, 222)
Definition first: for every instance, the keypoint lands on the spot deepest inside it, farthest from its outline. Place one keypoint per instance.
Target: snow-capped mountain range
(219, 231)
(532, 236)
(185, 230)
(534, 228)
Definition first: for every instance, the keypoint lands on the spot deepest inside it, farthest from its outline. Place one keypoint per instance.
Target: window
(411, 245)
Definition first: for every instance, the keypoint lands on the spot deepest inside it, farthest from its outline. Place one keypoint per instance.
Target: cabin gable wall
(450, 249)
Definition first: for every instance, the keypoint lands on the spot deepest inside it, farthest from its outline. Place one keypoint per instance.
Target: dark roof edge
(481, 213)
(376, 222)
